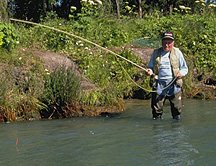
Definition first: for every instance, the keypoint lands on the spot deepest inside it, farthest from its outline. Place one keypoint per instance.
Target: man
(169, 66)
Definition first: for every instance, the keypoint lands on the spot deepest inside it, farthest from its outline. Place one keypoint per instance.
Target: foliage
(113, 74)
(55, 41)
(199, 43)
(21, 85)
(194, 35)
(128, 10)
(105, 97)
(37, 9)
(61, 87)
(3, 89)
(8, 36)
(195, 43)
(29, 9)
(89, 8)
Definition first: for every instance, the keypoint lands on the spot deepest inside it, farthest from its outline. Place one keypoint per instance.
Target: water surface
(129, 139)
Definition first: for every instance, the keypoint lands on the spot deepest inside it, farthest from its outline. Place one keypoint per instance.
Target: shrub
(61, 87)
(8, 36)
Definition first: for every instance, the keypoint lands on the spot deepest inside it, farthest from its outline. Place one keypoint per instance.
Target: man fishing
(167, 65)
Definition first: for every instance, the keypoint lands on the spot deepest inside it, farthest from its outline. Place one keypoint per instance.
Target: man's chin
(166, 49)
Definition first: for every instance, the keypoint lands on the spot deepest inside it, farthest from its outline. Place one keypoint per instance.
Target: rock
(54, 60)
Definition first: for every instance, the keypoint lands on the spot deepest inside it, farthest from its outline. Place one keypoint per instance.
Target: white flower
(91, 2)
(73, 8)
(78, 42)
(212, 5)
(187, 8)
(99, 2)
(20, 58)
(203, 4)
(182, 7)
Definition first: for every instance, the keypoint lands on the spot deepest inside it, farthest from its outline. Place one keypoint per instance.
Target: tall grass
(61, 87)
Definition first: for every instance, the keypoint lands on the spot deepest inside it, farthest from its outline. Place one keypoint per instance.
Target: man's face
(167, 44)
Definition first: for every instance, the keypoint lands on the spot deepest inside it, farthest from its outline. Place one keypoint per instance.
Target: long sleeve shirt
(165, 73)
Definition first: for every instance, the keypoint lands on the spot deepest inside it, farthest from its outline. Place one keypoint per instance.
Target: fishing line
(75, 36)
(147, 90)
(87, 41)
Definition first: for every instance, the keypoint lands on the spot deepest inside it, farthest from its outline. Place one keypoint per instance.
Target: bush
(197, 44)
(61, 87)
(8, 36)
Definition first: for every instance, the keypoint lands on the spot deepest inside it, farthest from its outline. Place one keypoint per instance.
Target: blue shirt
(165, 75)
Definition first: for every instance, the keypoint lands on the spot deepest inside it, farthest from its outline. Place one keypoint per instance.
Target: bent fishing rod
(83, 39)
(90, 42)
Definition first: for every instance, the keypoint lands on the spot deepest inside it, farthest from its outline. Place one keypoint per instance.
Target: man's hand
(179, 75)
(149, 72)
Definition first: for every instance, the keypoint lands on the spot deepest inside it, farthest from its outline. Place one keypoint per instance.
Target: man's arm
(183, 68)
(150, 69)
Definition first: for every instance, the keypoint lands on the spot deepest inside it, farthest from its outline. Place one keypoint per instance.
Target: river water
(129, 139)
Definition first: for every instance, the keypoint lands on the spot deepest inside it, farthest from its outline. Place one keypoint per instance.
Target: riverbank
(45, 70)
(48, 62)
(203, 87)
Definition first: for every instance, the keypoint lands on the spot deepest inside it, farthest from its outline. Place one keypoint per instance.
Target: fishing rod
(83, 39)
(87, 41)
(103, 48)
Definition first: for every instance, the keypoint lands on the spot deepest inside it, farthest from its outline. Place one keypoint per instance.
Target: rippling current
(129, 139)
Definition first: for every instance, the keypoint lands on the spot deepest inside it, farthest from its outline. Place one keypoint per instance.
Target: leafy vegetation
(27, 90)
(8, 36)
(61, 87)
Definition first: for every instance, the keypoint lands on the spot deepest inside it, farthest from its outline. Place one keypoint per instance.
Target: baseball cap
(167, 35)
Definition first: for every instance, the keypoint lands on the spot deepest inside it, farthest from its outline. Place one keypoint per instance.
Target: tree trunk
(3, 10)
(118, 9)
(170, 9)
(140, 8)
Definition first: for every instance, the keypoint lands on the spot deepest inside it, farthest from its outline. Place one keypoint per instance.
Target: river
(128, 139)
